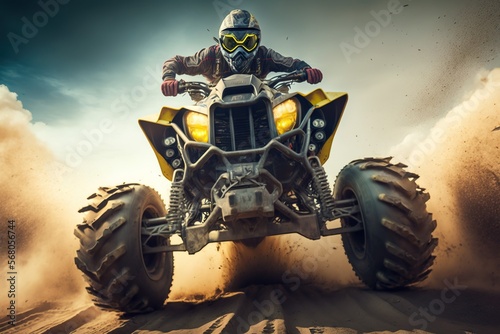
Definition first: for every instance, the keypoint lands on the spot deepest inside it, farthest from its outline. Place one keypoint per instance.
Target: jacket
(210, 63)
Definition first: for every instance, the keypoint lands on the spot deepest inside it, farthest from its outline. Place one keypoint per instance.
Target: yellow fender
(333, 105)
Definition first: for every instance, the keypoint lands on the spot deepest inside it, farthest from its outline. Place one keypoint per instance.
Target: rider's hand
(314, 75)
(170, 87)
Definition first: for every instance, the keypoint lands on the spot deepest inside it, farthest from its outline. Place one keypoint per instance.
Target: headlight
(285, 115)
(197, 125)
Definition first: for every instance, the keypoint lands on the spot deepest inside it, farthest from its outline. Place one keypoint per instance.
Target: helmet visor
(230, 42)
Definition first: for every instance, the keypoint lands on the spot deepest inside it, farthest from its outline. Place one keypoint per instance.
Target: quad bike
(246, 162)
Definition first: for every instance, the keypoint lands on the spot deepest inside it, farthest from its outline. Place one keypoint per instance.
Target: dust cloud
(33, 194)
(291, 260)
(199, 277)
(459, 164)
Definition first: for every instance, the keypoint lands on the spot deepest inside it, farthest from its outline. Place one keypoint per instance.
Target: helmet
(239, 36)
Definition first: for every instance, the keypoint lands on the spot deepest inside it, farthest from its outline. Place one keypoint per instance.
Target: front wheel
(394, 247)
(119, 274)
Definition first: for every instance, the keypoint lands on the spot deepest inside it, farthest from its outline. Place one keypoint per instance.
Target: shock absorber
(322, 188)
(176, 208)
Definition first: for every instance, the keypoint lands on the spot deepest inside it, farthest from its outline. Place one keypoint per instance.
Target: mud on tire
(395, 247)
(119, 275)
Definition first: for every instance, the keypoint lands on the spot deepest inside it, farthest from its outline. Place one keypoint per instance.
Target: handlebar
(194, 87)
(297, 76)
(200, 89)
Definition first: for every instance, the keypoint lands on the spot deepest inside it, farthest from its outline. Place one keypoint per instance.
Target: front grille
(241, 128)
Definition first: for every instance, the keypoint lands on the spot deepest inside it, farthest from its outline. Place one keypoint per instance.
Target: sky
(87, 70)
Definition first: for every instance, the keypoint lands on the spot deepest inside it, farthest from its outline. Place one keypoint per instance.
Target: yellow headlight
(197, 125)
(285, 115)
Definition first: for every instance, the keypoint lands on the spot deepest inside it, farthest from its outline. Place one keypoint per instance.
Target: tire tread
(406, 256)
(100, 258)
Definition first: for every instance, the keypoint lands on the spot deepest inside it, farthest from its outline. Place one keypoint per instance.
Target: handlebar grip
(190, 86)
(301, 76)
(181, 88)
(297, 76)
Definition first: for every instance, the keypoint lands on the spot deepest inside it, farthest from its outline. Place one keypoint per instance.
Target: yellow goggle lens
(197, 125)
(230, 42)
(285, 115)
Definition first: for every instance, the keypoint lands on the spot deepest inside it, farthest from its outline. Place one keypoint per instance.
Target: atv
(246, 162)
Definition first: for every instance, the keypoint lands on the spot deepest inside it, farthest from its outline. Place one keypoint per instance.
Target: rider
(238, 51)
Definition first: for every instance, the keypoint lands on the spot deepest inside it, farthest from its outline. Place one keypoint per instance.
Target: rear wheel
(394, 247)
(119, 274)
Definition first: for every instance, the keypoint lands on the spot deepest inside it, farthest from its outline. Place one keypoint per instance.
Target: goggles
(230, 43)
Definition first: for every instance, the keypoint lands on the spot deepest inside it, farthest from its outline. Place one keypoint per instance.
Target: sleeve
(275, 62)
(201, 63)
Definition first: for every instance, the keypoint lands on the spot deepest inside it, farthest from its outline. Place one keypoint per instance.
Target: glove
(170, 87)
(314, 75)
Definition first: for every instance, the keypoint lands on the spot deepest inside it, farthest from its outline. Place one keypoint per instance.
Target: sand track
(306, 310)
